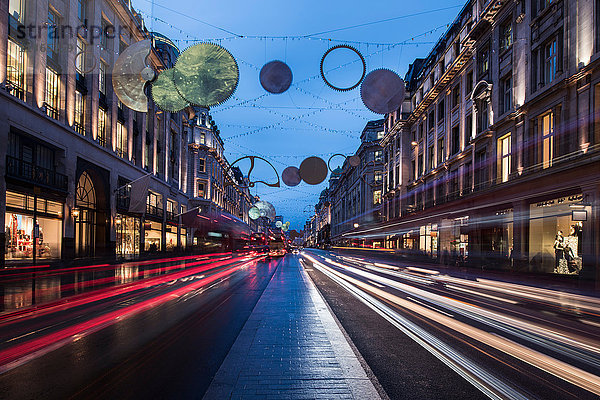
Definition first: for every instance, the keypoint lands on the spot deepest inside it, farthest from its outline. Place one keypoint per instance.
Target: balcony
(27, 172)
(154, 211)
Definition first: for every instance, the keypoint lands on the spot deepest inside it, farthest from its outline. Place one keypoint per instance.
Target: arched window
(85, 195)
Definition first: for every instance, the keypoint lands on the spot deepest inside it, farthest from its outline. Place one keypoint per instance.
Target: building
(356, 192)
(498, 142)
(73, 149)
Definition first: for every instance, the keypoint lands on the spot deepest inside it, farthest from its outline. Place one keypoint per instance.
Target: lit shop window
(547, 139)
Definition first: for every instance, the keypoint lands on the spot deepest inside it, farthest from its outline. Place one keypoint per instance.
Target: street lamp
(356, 225)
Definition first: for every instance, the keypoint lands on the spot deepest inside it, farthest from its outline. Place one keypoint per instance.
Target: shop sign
(579, 215)
(562, 200)
(36, 231)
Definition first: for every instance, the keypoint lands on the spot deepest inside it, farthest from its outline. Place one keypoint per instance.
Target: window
(15, 69)
(506, 87)
(431, 158)
(201, 165)
(455, 96)
(441, 153)
(431, 120)
(456, 139)
(413, 169)
(171, 209)
(380, 134)
(80, 57)
(81, 10)
(121, 140)
(102, 124)
(378, 177)
(469, 83)
(102, 78)
(201, 189)
(52, 43)
(421, 163)
(481, 171)
(482, 116)
(550, 61)
(377, 197)
(539, 5)
(51, 98)
(468, 129)
(547, 127)
(79, 117)
(441, 111)
(467, 178)
(104, 34)
(483, 60)
(506, 37)
(378, 155)
(16, 9)
(504, 157)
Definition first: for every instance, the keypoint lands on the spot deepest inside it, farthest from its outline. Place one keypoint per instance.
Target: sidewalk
(291, 348)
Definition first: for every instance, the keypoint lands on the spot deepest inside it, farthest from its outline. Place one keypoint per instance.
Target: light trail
(28, 350)
(580, 348)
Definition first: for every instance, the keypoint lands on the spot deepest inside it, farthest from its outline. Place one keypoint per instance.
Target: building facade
(73, 149)
(496, 150)
(356, 193)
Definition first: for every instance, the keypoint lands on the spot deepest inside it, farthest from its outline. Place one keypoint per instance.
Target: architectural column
(591, 235)
(520, 253)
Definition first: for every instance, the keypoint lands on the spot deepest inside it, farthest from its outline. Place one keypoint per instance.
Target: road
(162, 328)
(506, 339)
(160, 333)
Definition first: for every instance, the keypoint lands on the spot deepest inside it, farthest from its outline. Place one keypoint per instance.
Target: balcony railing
(171, 216)
(25, 171)
(154, 211)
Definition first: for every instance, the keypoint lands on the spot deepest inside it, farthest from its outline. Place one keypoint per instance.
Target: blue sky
(310, 118)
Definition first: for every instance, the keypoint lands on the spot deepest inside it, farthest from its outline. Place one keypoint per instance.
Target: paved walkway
(291, 348)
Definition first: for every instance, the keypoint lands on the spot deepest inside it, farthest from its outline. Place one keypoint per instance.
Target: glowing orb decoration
(276, 77)
(130, 74)
(165, 94)
(278, 224)
(254, 213)
(382, 91)
(206, 74)
(313, 170)
(265, 209)
(291, 176)
(354, 161)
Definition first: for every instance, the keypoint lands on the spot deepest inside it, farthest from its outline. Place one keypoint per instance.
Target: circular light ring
(278, 224)
(265, 209)
(206, 74)
(165, 93)
(331, 158)
(382, 91)
(313, 170)
(360, 56)
(291, 176)
(251, 183)
(276, 77)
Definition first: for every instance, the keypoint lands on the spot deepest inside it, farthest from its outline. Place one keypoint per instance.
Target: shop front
(555, 237)
(171, 237)
(29, 218)
(183, 238)
(152, 236)
(128, 236)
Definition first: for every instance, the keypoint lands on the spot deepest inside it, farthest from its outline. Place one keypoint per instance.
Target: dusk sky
(310, 118)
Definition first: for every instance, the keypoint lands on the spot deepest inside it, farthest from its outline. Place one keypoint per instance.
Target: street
(422, 333)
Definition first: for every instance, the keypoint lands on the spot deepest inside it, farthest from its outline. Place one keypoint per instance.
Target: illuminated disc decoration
(206, 74)
(131, 73)
(313, 170)
(165, 94)
(354, 161)
(278, 224)
(382, 91)
(254, 213)
(286, 226)
(291, 176)
(265, 209)
(276, 77)
(360, 56)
